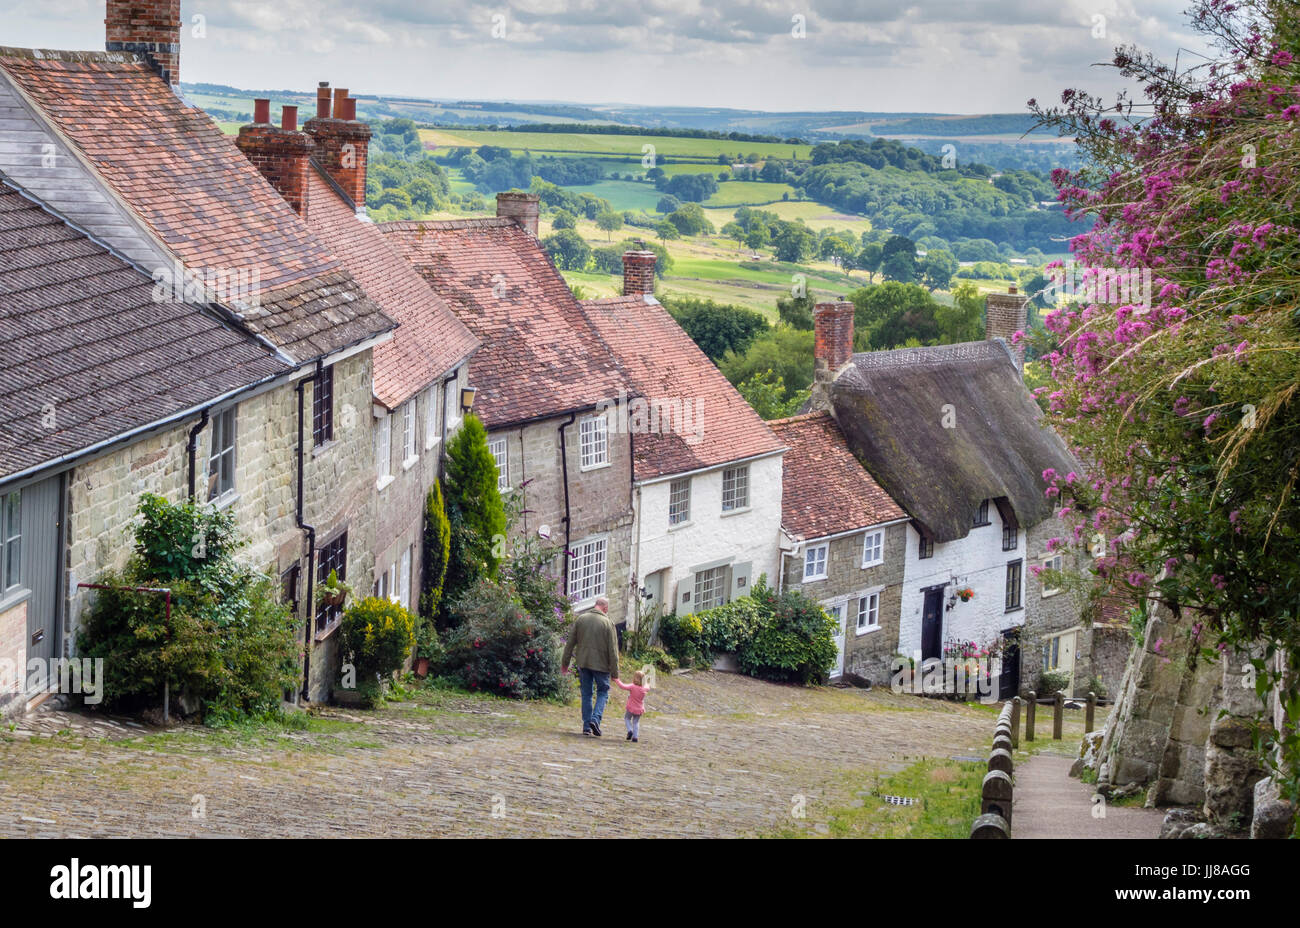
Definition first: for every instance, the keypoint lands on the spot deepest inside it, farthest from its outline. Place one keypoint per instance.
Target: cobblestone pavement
(720, 755)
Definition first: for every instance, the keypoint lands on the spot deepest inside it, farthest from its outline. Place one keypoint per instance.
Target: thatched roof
(891, 407)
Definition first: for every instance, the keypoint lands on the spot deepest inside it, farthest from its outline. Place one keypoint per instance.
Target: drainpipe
(192, 447)
(564, 471)
(311, 547)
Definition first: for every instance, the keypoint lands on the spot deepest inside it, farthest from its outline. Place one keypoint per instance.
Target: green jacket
(592, 644)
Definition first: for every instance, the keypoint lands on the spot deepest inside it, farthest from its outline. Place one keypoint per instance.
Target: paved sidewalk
(1049, 803)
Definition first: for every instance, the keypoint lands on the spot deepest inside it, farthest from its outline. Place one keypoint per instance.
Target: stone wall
(13, 658)
(867, 654)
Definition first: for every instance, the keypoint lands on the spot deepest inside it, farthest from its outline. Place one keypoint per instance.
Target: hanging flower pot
(966, 595)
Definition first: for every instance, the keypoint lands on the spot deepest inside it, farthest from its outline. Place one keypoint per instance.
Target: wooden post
(1015, 723)
(1030, 707)
(995, 795)
(1058, 715)
(991, 826)
(1090, 715)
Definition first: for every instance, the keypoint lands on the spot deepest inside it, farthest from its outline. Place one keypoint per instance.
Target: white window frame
(718, 581)
(384, 451)
(383, 586)
(501, 454)
(588, 566)
(11, 542)
(431, 434)
(676, 498)
(873, 543)
(739, 490)
(409, 435)
(225, 427)
(404, 580)
(451, 404)
(868, 598)
(1052, 562)
(593, 442)
(816, 562)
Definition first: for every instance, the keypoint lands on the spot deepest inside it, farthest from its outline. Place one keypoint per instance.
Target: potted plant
(333, 592)
(428, 648)
(966, 595)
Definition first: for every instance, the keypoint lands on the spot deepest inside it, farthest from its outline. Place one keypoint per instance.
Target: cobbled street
(720, 755)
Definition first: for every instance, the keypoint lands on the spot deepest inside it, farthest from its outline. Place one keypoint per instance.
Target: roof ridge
(802, 417)
(958, 351)
(63, 54)
(472, 222)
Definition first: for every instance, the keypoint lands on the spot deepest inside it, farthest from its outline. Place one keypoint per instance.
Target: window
(322, 407)
(982, 516)
(869, 612)
(383, 587)
(1051, 563)
(221, 459)
(408, 433)
(498, 449)
(404, 579)
(1013, 585)
(1010, 536)
(451, 404)
(873, 548)
(431, 418)
(333, 556)
(814, 563)
(679, 501)
(710, 588)
(587, 570)
(926, 548)
(384, 448)
(11, 541)
(735, 488)
(289, 588)
(593, 441)
(1052, 653)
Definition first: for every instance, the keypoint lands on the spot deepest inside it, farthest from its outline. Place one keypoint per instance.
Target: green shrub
(794, 641)
(1051, 681)
(378, 636)
(682, 637)
(730, 627)
(229, 645)
(499, 647)
(475, 511)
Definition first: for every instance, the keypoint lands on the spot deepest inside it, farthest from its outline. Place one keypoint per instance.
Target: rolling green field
(735, 193)
(555, 142)
(623, 194)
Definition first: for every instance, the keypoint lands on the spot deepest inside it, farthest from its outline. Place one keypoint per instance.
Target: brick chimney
(342, 143)
(282, 154)
(1004, 315)
(639, 272)
(832, 347)
(521, 207)
(151, 28)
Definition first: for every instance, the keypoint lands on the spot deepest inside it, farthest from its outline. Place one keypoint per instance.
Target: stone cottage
(706, 471)
(843, 544)
(103, 138)
(549, 390)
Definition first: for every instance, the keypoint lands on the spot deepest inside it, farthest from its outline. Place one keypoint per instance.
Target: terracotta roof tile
(824, 490)
(89, 354)
(664, 365)
(198, 193)
(430, 339)
(541, 356)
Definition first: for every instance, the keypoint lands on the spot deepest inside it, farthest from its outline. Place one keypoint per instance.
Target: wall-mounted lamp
(467, 398)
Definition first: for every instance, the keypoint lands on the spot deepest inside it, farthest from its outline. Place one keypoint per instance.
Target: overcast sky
(954, 56)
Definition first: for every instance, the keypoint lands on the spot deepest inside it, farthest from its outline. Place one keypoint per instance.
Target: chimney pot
(639, 272)
(323, 100)
(349, 110)
(340, 95)
(522, 208)
(833, 337)
(289, 118)
(261, 111)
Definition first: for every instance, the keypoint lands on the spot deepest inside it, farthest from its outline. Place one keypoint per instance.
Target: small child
(635, 703)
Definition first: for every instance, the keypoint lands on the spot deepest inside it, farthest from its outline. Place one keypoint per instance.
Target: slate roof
(430, 340)
(89, 350)
(824, 490)
(665, 367)
(172, 165)
(541, 356)
(890, 406)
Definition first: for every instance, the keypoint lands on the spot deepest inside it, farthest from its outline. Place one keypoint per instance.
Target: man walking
(593, 645)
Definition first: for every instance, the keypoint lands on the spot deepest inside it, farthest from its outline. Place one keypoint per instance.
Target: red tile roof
(89, 354)
(540, 356)
(430, 340)
(197, 192)
(664, 364)
(824, 489)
